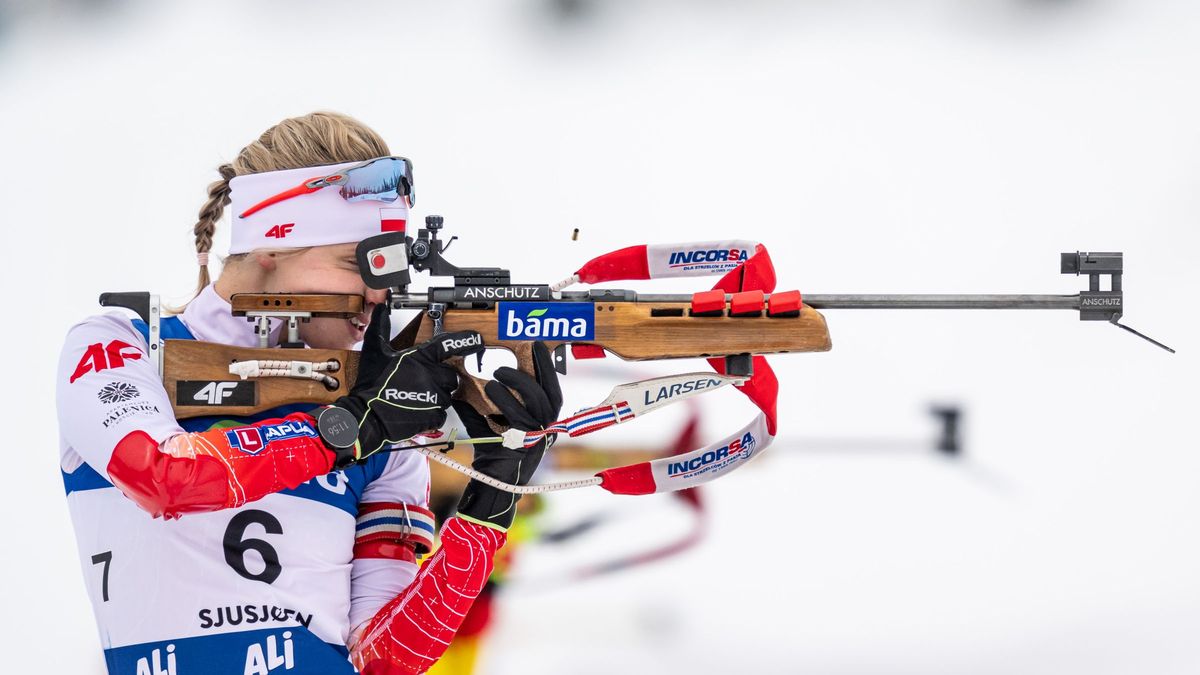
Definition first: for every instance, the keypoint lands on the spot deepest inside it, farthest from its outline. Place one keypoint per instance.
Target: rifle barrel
(918, 301)
(942, 301)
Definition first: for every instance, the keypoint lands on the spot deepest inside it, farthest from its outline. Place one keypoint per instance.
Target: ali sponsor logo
(236, 615)
(100, 356)
(123, 412)
(153, 664)
(263, 659)
(117, 392)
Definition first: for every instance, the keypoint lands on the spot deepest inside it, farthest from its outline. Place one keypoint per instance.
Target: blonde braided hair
(310, 140)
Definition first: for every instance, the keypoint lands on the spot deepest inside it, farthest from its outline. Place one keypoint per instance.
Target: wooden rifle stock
(633, 331)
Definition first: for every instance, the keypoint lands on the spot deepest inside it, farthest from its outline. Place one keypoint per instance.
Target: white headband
(316, 219)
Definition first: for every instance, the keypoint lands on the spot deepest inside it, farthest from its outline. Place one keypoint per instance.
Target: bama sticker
(568, 321)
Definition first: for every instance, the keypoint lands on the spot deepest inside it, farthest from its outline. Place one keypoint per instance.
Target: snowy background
(902, 146)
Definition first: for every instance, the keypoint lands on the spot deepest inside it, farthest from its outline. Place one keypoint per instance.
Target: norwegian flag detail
(584, 422)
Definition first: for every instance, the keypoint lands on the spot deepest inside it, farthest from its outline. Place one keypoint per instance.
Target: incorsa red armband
(218, 469)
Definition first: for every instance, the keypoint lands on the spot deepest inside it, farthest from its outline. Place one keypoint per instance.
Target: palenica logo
(421, 396)
(473, 341)
(123, 412)
(542, 320)
(117, 392)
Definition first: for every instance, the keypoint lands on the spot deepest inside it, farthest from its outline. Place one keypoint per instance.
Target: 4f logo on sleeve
(568, 321)
(280, 231)
(214, 393)
(99, 357)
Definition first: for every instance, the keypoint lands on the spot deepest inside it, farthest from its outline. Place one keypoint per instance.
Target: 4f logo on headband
(540, 320)
(280, 231)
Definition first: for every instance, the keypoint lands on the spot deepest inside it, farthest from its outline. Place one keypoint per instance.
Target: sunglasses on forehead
(383, 179)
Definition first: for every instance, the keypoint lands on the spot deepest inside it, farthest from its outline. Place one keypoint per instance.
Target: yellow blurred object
(460, 657)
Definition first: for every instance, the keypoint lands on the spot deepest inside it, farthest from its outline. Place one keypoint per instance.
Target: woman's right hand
(399, 394)
(539, 405)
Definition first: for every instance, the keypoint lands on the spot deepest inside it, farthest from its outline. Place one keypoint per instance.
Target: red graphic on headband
(280, 231)
(99, 357)
(392, 220)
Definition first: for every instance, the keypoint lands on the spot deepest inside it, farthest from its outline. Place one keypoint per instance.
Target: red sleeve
(412, 631)
(218, 469)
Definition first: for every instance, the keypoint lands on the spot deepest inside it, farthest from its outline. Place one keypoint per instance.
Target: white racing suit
(266, 562)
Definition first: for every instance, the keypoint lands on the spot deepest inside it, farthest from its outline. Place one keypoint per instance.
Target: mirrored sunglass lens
(383, 180)
(412, 186)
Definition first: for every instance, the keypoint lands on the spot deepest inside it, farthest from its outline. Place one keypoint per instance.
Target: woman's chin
(328, 342)
(339, 335)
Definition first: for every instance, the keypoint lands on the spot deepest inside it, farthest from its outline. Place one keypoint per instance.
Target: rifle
(733, 326)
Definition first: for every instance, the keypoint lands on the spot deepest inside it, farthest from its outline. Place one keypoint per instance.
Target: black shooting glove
(542, 401)
(398, 394)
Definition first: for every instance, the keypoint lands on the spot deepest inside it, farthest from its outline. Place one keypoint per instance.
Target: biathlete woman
(212, 546)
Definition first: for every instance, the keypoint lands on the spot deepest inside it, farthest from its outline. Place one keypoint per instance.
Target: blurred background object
(910, 146)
